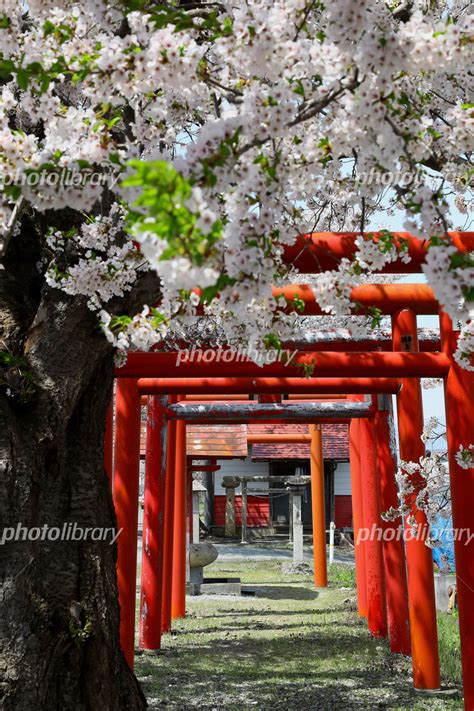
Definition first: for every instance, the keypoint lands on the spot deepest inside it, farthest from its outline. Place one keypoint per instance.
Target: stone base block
(221, 586)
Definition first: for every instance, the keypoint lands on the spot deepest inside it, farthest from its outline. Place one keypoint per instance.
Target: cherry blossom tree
(155, 159)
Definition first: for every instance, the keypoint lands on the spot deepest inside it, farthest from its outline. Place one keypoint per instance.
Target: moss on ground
(289, 647)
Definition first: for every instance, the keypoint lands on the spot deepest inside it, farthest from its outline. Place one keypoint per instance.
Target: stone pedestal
(230, 484)
(200, 555)
(244, 512)
(198, 491)
(295, 486)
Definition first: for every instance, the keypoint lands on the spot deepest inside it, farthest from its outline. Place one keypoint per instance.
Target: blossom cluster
(452, 278)
(273, 111)
(425, 485)
(105, 264)
(465, 456)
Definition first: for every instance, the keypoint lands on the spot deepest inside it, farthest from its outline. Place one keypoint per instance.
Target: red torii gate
(377, 618)
(325, 363)
(387, 298)
(325, 412)
(459, 393)
(322, 251)
(295, 386)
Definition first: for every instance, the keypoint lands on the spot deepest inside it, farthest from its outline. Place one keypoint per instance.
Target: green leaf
(271, 340)
(297, 304)
(12, 191)
(22, 78)
(7, 68)
(161, 209)
(119, 323)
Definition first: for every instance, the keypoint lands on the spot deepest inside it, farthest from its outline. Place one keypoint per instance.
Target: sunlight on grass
(449, 647)
(289, 647)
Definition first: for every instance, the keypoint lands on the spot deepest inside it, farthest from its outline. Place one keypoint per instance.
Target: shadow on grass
(247, 658)
(280, 613)
(218, 674)
(237, 626)
(283, 592)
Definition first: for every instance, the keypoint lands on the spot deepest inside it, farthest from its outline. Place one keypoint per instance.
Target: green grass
(449, 647)
(342, 575)
(289, 647)
(269, 571)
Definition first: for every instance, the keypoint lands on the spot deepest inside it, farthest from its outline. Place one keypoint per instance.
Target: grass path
(288, 648)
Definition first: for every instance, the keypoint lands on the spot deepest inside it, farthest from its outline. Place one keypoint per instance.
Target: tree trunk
(60, 615)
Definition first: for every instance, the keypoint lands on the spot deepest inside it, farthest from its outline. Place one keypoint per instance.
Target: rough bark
(59, 636)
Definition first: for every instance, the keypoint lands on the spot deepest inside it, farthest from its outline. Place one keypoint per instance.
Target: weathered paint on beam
(429, 341)
(265, 412)
(340, 339)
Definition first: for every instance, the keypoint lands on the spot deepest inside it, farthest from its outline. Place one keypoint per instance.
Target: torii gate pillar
(178, 598)
(358, 517)
(459, 400)
(151, 597)
(393, 545)
(125, 496)
(376, 597)
(317, 502)
(169, 527)
(421, 592)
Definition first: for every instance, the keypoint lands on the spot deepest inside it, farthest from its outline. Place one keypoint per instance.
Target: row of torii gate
(395, 583)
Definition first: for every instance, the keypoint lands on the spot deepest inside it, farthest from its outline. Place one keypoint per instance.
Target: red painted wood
(393, 546)
(321, 251)
(376, 596)
(325, 363)
(459, 401)
(358, 518)
(151, 593)
(389, 298)
(169, 526)
(178, 596)
(343, 511)
(421, 590)
(125, 495)
(317, 507)
(258, 511)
